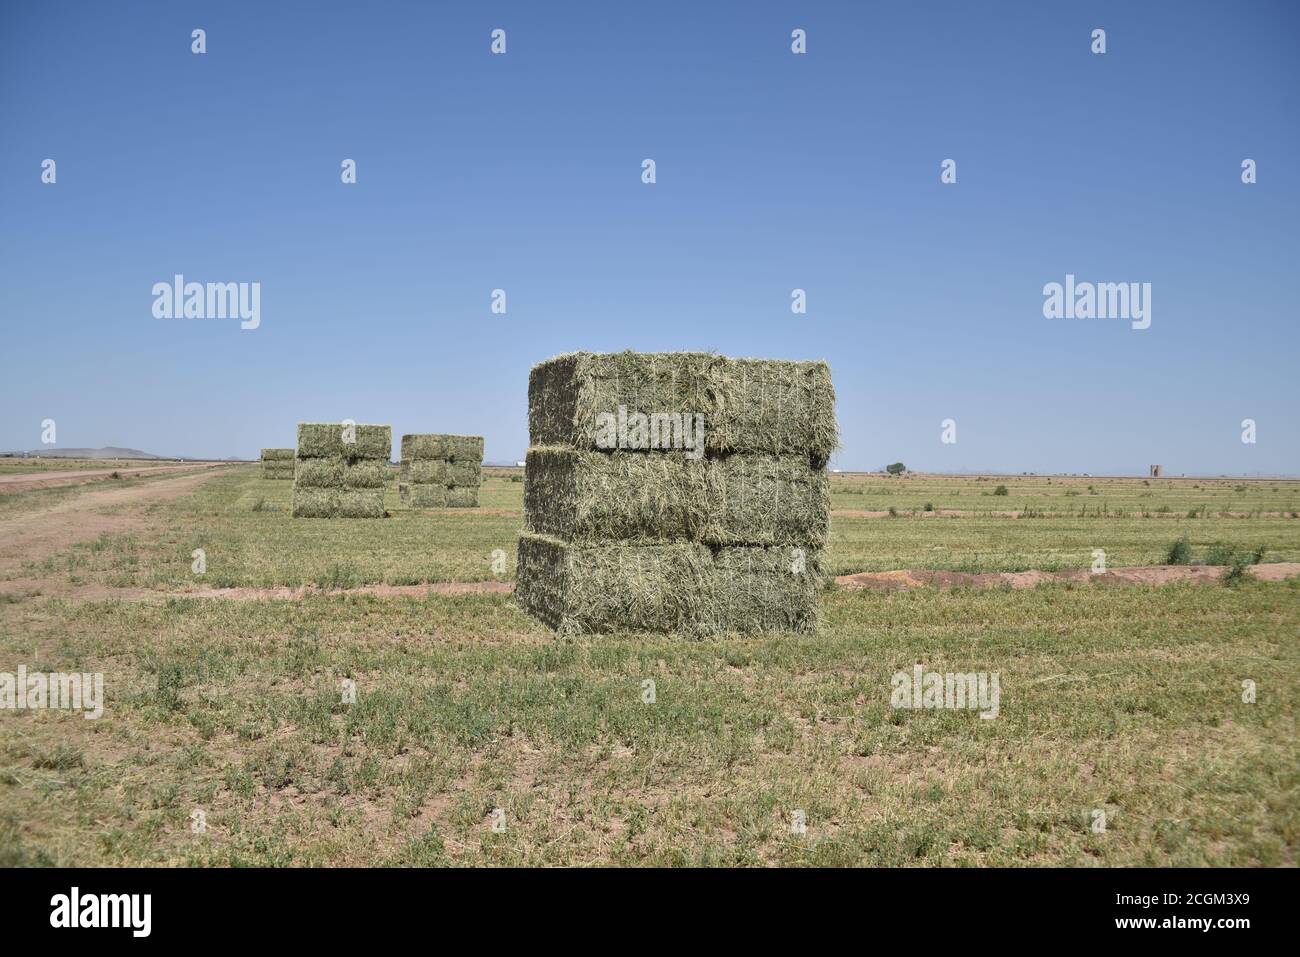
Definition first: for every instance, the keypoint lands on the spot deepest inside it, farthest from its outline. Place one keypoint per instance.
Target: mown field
(1126, 701)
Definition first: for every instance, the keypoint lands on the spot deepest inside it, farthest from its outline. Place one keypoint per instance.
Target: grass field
(1125, 701)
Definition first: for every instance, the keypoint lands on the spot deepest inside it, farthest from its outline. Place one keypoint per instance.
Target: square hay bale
(337, 503)
(365, 474)
(614, 496)
(325, 440)
(766, 500)
(428, 471)
(748, 405)
(319, 473)
(594, 588)
(668, 496)
(428, 496)
(446, 448)
(466, 474)
(462, 496)
(765, 589)
(277, 463)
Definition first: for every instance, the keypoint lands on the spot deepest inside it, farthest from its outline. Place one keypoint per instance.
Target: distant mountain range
(107, 452)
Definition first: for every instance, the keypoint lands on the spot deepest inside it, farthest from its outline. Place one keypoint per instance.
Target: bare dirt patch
(1138, 575)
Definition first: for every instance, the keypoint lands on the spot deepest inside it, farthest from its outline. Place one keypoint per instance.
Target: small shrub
(1001, 490)
(1236, 572)
(1180, 552)
(929, 506)
(893, 512)
(115, 474)
(259, 505)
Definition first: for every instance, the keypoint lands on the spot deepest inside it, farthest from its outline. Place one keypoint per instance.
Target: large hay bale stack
(676, 492)
(441, 471)
(341, 470)
(277, 464)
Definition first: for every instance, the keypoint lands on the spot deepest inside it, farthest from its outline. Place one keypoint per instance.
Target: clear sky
(775, 171)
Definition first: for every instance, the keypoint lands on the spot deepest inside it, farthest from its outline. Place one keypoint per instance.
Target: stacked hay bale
(277, 464)
(441, 471)
(676, 492)
(341, 470)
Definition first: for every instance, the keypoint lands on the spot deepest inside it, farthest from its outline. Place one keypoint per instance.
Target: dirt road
(18, 482)
(35, 535)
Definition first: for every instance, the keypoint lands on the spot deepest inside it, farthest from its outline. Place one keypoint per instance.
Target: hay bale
(615, 496)
(447, 448)
(722, 534)
(428, 496)
(325, 440)
(469, 474)
(594, 588)
(338, 479)
(277, 463)
(319, 473)
(749, 405)
(636, 497)
(364, 474)
(766, 500)
(462, 496)
(337, 503)
(443, 471)
(765, 589)
(428, 471)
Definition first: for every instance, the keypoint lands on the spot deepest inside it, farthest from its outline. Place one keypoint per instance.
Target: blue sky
(775, 171)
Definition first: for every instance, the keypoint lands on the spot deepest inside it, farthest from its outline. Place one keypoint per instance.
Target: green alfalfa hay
(749, 405)
(428, 496)
(276, 455)
(326, 440)
(445, 448)
(462, 496)
(598, 588)
(340, 473)
(766, 500)
(681, 587)
(442, 472)
(652, 497)
(615, 496)
(766, 589)
(337, 503)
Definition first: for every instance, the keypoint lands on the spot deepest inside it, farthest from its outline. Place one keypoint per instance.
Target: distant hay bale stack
(341, 470)
(442, 471)
(676, 492)
(1156, 470)
(277, 464)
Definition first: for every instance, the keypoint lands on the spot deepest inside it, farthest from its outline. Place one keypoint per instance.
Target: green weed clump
(1180, 552)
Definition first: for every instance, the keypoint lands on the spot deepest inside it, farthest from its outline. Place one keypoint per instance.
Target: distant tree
(898, 468)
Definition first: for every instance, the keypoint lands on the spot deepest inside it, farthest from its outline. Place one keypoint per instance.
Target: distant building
(1155, 471)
